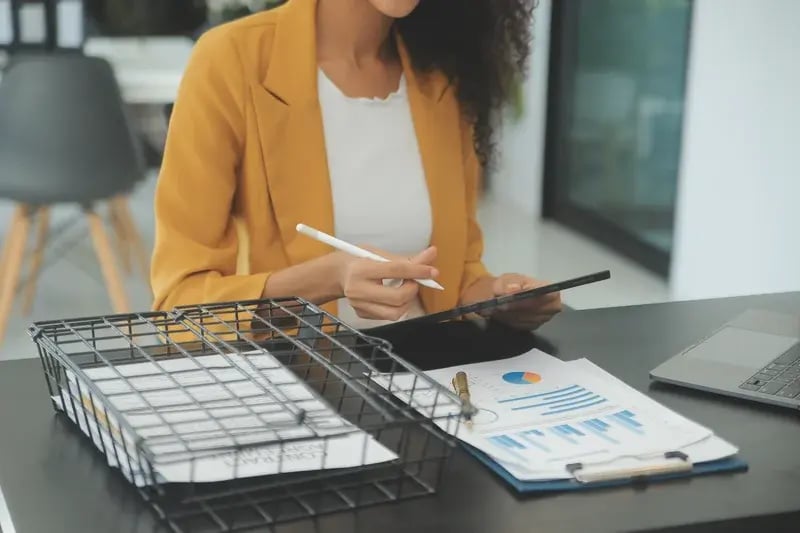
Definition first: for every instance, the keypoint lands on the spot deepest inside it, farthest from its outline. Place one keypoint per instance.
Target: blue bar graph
(592, 423)
(563, 400)
(530, 438)
(630, 416)
(552, 394)
(601, 424)
(583, 404)
(585, 435)
(599, 428)
(628, 420)
(564, 434)
(509, 445)
(566, 428)
(597, 424)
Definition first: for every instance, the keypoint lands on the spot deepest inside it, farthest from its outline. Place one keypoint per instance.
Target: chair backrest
(63, 127)
(168, 112)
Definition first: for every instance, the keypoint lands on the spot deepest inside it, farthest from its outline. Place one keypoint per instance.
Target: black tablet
(492, 303)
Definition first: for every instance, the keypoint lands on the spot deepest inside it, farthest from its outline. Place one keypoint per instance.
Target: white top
(380, 196)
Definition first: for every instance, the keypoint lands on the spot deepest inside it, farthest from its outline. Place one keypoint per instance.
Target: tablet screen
(492, 303)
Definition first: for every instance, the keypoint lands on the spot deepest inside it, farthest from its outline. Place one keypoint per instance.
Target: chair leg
(43, 216)
(8, 243)
(120, 236)
(105, 257)
(4, 253)
(13, 256)
(142, 257)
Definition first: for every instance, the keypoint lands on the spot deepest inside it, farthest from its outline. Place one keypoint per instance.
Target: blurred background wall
(737, 208)
(667, 130)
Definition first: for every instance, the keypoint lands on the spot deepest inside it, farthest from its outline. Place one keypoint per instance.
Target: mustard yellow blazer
(245, 162)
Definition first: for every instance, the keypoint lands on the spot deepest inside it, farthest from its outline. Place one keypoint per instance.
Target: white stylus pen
(355, 251)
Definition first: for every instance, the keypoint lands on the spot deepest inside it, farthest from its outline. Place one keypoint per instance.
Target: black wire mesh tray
(242, 416)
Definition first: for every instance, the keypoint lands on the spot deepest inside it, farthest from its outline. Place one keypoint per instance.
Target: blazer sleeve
(474, 268)
(194, 260)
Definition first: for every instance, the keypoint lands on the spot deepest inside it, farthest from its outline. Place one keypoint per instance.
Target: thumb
(426, 256)
(508, 284)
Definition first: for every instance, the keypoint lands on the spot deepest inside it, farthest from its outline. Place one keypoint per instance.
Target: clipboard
(675, 465)
(492, 303)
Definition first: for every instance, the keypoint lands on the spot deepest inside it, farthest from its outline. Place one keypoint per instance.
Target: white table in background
(148, 69)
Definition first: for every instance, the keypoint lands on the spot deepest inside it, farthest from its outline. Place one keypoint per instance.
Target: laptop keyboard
(780, 378)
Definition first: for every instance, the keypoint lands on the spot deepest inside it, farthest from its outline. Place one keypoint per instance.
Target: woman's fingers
(399, 270)
(376, 292)
(425, 257)
(398, 273)
(372, 297)
(529, 313)
(374, 311)
(376, 289)
(546, 303)
(508, 284)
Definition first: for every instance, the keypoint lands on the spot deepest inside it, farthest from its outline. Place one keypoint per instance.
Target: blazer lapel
(436, 122)
(289, 121)
(291, 136)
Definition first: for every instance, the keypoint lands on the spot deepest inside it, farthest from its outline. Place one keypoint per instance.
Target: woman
(367, 119)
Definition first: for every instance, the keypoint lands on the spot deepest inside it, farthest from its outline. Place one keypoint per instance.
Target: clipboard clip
(671, 463)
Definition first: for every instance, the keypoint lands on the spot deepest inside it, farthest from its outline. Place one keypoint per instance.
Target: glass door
(618, 70)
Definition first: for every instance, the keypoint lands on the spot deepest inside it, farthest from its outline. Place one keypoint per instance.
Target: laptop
(755, 356)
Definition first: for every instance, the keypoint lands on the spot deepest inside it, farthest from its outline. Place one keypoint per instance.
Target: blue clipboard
(730, 465)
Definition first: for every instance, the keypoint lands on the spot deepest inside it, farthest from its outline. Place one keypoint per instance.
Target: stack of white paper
(537, 414)
(196, 415)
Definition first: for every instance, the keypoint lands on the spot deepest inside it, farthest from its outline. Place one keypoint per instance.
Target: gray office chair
(65, 138)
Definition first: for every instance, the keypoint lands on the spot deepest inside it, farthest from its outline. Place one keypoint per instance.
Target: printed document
(536, 414)
(215, 418)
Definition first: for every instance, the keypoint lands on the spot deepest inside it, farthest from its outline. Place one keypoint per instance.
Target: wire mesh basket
(242, 416)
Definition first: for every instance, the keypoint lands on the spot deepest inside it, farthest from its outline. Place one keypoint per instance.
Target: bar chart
(541, 414)
(583, 436)
(558, 401)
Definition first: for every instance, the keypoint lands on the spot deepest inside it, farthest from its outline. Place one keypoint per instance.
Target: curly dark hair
(482, 46)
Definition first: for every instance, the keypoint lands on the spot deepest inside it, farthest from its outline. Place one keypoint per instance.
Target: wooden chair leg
(8, 243)
(43, 219)
(14, 254)
(105, 256)
(142, 256)
(120, 236)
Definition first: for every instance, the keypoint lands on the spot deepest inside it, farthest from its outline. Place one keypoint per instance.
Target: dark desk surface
(55, 482)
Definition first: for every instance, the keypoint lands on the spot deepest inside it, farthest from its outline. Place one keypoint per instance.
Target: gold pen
(461, 386)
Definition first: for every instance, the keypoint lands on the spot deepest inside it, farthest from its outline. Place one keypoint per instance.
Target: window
(615, 120)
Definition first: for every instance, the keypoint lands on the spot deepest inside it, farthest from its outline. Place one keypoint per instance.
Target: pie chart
(522, 378)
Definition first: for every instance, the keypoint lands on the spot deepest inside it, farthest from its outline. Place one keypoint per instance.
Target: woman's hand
(529, 313)
(361, 281)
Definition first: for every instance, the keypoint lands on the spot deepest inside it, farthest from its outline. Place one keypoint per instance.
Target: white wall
(738, 213)
(517, 180)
